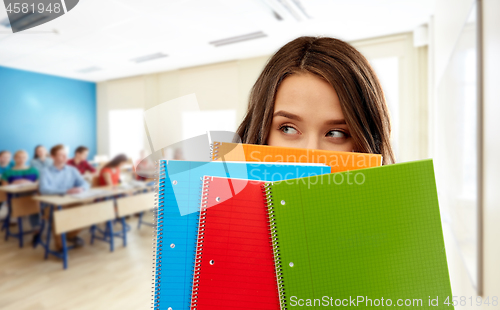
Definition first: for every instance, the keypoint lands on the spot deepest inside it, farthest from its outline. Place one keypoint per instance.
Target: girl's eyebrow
(298, 118)
(287, 115)
(336, 122)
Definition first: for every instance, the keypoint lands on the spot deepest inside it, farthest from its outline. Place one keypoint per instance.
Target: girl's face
(41, 152)
(5, 158)
(20, 158)
(307, 114)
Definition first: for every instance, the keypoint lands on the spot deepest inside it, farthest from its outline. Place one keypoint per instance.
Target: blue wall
(44, 109)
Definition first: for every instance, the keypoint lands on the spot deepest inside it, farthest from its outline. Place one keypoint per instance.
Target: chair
(66, 220)
(3, 198)
(130, 205)
(22, 206)
(95, 181)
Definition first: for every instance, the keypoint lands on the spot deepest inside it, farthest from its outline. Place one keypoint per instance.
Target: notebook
(376, 236)
(180, 184)
(339, 161)
(234, 258)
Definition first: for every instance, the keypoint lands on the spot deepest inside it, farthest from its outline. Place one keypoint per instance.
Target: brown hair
(358, 88)
(55, 149)
(4, 152)
(117, 160)
(36, 148)
(81, 149)
(20, 152)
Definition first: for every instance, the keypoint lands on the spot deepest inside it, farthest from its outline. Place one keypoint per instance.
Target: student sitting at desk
(80, 160)
(40, 159)
(20, 173)
(5, 161)
(110, 173)
(60, 179)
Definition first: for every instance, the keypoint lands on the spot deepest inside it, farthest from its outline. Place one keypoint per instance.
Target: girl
(41, 159)
(5, 161)
(20, 173)
(110, 173)
(318, 93)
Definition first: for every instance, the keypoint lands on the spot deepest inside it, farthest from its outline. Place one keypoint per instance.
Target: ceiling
(98, 39)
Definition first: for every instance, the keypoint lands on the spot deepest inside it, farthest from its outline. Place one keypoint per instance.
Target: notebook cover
(178, 209)
(339, 161)
(381, 238)
(234, 258)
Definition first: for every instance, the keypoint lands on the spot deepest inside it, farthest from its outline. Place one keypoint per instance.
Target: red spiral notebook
(234, 259)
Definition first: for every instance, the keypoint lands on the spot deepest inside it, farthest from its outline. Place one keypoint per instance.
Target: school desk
(11, 192)
(60, 202)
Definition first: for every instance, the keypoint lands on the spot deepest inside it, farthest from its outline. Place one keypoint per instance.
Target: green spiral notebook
(364, 239)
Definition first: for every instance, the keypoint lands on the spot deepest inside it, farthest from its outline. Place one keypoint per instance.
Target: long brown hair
(116, 161)
(358, 88)
(36, 149)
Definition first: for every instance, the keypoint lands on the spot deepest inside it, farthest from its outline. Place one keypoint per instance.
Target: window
(402, 70)
(126, 129)
(197, 123)
(387, 70)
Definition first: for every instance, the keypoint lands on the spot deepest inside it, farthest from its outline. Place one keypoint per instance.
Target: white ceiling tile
(109, 33)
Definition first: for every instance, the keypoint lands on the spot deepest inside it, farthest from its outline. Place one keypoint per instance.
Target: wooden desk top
(100, 192)
(19, 188)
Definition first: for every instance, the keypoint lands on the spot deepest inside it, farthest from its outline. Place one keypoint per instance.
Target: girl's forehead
(308, 94)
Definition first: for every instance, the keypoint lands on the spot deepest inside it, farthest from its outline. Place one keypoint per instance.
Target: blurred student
(110, 173)
(143, 167)
(60, 178)
(21, 173)
(5, 161)
(80, 160)
(41, 158)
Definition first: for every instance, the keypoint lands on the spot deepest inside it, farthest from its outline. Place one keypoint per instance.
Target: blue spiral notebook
(179, 193)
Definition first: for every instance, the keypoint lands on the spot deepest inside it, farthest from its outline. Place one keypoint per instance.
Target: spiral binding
(214, 150)
(274, 243)
(158, 230)
(199, 242)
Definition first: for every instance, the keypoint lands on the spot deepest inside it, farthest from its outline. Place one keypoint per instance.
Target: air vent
(149, 57)
(89, 69)
(237, 39)
(22, 21)
(286, 9)
(5, 22)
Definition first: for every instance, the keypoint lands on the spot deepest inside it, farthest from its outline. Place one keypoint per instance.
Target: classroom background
(86, 78)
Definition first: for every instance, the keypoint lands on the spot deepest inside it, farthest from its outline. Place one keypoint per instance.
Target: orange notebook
(338, 161)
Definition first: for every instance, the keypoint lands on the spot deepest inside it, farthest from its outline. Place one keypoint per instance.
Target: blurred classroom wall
(446, 29)
(491, 52)
(221, 86)
(39, 105)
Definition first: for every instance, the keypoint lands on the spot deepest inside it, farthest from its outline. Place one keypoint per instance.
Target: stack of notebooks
(263, 227)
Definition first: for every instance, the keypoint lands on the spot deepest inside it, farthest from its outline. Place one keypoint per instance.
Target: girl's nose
(312, 143)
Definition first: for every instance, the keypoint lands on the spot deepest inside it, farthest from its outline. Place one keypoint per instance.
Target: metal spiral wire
(158, 230)
(214, 150)
(274, 243)
(199, 242)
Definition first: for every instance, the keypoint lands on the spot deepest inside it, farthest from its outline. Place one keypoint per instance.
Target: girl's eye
(288, 130)
(337, 134)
